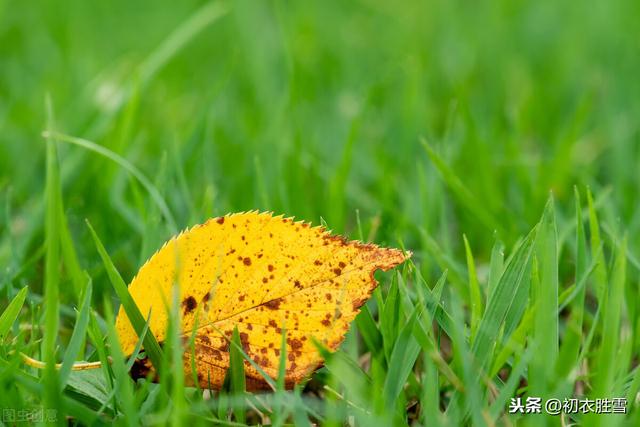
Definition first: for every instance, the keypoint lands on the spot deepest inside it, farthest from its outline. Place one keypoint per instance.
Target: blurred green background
(323, 110)
(318, 109)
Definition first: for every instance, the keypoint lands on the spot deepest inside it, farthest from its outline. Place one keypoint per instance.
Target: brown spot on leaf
(357, 303)
(286, 249)
(274, 304)
(207, 351)
(140, 368)
(244, 340)
(189, 304)
(338, 239)
(295, 344)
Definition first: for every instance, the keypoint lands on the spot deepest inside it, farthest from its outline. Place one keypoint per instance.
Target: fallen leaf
(257, 272)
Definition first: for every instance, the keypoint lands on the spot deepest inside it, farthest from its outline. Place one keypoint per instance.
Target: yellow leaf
(257, 272)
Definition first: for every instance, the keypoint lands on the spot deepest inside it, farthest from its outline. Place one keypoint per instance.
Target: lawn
(498, 141)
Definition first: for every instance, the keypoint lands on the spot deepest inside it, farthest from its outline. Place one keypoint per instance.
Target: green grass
(498, 141)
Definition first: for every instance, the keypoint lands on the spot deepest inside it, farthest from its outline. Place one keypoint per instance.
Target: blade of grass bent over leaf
(238, 380)
(151, 346)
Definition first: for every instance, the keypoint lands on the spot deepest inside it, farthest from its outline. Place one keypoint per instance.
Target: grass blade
(545, 302)
(596, 243)
(464, 195)
(69, 255)
(369, 330)
(151, 346)
(10, 314)
(98, 342)
(606, 357)
(202, 18)
(52, 272)
(466, 364)
(573, 335)
(496, 266)
(128, 166)
(499, 303)
(77, 337)
(514, 276)
(474, 289)
(122, 384)
(508, 390)
(238, 380)
(404, 355)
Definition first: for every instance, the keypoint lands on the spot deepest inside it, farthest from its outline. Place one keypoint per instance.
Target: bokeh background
(316, 110)
(407, 122)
